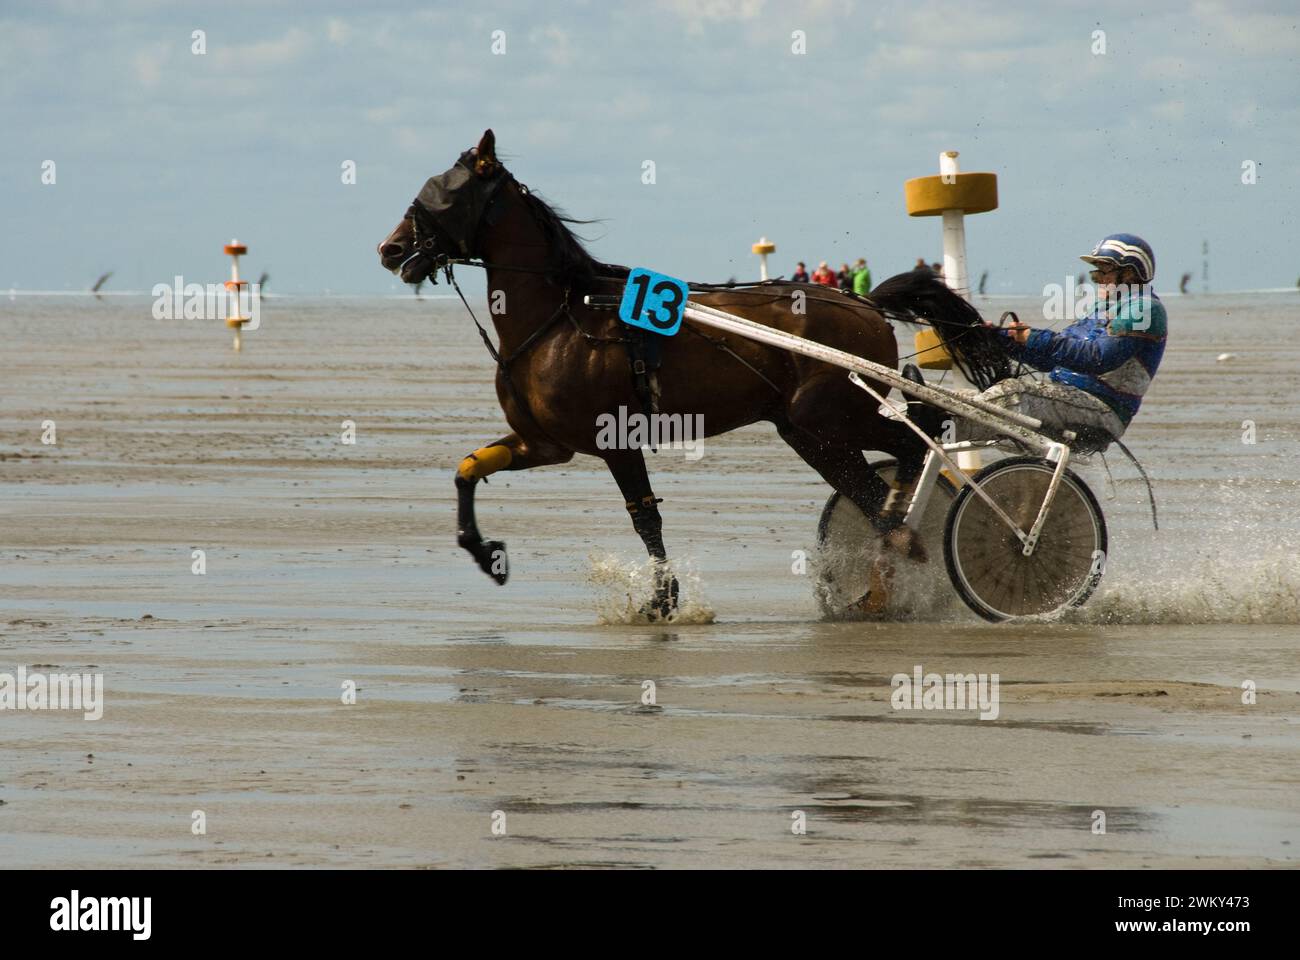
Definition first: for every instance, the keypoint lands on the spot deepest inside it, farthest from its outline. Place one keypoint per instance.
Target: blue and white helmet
(1125, 250)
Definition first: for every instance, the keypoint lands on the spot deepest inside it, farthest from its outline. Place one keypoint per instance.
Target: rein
(503, 363)
(426, 246)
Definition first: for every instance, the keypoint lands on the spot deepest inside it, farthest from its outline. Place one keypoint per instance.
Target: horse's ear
(486, 153)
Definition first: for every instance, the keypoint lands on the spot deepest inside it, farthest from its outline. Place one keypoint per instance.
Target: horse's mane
(919, 296)
(568, 260)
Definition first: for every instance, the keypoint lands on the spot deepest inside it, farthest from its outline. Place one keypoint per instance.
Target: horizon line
(13, 292)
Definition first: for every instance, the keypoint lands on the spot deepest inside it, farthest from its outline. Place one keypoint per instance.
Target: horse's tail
(919, 296)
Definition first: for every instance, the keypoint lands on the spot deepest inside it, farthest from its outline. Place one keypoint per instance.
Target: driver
(1100, 366)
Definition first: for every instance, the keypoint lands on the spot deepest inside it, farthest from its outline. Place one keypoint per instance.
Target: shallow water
(328, 563)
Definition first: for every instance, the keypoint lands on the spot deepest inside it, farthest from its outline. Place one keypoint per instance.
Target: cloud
(554, 44)
(812, 148)
(261, 55)
(963, 26)
(1170, 110)
(1245, 114)
(696, 14)
(1252, 32)
(338, 31)
(148, 65)
(550, 134)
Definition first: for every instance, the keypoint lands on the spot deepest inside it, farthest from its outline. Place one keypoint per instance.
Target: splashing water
(1267, 591)
(1228, 557)
(1231, 554)
(623, 587)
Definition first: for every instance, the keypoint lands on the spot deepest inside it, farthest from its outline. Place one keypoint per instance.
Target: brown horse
(562, 364)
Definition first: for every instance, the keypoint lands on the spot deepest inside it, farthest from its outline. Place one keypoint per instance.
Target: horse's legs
(846, 470)
(830, 429)
(509, 453)
(628, 469)
(829, 426)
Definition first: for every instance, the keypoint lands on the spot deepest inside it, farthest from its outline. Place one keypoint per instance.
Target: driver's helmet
(1125, 250)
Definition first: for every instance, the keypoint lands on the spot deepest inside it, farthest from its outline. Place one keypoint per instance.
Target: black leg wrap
(649, 525)
(490, 555)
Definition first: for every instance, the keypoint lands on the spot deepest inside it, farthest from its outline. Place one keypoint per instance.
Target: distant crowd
(854, 279)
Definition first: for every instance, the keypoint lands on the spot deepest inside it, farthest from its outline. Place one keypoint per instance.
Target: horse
(563, 367)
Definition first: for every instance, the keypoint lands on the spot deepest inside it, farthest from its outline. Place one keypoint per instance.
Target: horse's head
(444, 222)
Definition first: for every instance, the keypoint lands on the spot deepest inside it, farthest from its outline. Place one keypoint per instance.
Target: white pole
(234, 315)
(954, 233)
(763, 248)
(954, 252)
(955, 275)
(234, 277)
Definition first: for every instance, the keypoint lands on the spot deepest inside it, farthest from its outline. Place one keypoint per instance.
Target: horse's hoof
(906, 542)
(664, 604)
(492, 559)
(871, 604)
(657, 610)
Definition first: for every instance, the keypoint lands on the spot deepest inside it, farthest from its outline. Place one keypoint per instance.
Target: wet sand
(329, 563)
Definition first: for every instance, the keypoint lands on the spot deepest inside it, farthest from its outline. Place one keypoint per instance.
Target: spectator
(800, 273)
(823, 275)
(937, 270)
(861, 278)
(845, 277)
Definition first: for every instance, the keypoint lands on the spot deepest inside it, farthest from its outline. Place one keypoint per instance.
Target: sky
(161, 154)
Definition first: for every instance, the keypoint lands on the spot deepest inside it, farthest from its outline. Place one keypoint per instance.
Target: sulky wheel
(847, 545)
(985, 558)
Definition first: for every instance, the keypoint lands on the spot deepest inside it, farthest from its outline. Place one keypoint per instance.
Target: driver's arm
(1044, 350)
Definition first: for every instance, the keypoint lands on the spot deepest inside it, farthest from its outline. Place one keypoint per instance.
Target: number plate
(653, 301)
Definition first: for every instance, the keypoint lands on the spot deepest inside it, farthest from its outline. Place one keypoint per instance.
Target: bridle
(425, 233)
(422, 223)
(425, 228)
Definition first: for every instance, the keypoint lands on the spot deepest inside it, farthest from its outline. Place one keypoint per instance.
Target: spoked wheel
(847, 545)
(985, 558)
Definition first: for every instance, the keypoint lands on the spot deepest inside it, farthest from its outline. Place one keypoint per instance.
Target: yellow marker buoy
(952, 195)
(931, 354)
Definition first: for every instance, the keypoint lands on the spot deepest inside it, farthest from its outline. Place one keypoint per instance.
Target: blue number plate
(653, 301)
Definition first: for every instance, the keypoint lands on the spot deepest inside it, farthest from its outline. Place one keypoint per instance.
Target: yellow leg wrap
(484, 461)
